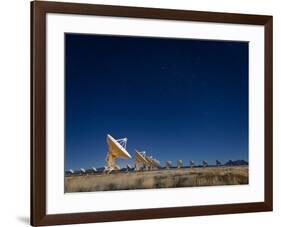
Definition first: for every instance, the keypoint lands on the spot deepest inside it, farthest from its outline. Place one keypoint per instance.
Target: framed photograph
(141, 113)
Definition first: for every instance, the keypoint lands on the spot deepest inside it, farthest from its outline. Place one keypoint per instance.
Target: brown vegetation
(172, 178)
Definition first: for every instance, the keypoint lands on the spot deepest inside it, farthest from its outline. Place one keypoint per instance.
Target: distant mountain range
(236, 163)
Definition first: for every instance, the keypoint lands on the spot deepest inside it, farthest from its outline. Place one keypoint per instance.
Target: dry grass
(158, 179)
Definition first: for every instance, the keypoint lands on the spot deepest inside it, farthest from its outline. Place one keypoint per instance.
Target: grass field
(172, 178)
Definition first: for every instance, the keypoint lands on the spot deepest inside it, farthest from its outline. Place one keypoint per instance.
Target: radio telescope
(168, 164)
(156, 163)
(116, 149)
(179, 164)
(69, 172)
(153, 163)
(91, 170)
(82, 171)
(205, 163)
(191, 163)
(149, 162)
(218, 163)
(140, 159)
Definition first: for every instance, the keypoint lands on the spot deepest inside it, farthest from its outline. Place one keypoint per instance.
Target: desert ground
(170, 178)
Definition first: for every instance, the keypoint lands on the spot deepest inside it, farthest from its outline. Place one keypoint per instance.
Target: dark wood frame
(38, 112)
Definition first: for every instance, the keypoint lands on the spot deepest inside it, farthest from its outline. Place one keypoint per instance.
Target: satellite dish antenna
(89, 171)
(218, 163)
(71, 171)
(140, 159)
(168, 164)
(82, 171)
(179, 164)
(156, 163)
(116, 149)
(205, 163)
(191, 163)
(151, 162)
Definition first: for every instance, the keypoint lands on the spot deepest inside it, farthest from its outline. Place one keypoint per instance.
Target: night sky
(174, 98)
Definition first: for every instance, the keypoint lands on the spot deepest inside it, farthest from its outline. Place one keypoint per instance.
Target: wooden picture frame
(39, 10)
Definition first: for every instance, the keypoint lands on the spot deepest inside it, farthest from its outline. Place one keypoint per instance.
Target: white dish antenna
(179, 163)
(141, 160)
(69, 172)
(140, 157)
(191, 163)
(156, 163)
(205, 163)
(218, 163)
(153, 163)
(149, 160)
(82, 171)
(169, 164)
(116, 149)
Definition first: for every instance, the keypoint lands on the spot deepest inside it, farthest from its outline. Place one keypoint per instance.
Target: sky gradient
(174, 98)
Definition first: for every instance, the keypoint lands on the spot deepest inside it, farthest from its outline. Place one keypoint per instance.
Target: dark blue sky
(175, 98)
